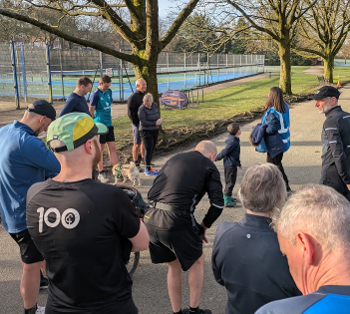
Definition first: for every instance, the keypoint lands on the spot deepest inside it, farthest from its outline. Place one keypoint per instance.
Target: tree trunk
(285, 72)
(328, 68)
(148, 71)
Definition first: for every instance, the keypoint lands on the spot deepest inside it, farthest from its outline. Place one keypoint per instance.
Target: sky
(163, 5)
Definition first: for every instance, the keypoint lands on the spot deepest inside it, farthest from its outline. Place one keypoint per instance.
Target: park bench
(189, 92)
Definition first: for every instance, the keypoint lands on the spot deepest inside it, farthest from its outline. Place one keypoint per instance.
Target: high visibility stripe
(328, 129)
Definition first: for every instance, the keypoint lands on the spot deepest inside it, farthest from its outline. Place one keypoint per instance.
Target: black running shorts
(109, 137)
(172, 236)
(29, 252)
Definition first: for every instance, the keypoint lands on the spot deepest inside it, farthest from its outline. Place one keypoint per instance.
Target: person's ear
(307, 244)
(42, 119)
(88, 146)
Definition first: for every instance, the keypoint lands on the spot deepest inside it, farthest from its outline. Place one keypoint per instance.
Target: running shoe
(40, 310)
(151, 172)
(154, 170)
(44, 283)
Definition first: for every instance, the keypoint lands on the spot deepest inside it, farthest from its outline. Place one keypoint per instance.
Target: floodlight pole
(14, 71)
(49, 82)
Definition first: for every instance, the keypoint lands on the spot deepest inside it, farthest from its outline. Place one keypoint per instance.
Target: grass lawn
(222, 105)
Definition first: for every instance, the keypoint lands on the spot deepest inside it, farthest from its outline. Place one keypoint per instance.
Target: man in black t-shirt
(134, 103)
(79, 224)
(176, 237)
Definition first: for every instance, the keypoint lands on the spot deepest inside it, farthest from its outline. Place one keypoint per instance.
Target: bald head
(141, 85)
(207, 149)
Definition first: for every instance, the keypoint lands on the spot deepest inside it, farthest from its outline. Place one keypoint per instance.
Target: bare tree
(275, 20)
(138, 25)
(323, 31)
(344, 51)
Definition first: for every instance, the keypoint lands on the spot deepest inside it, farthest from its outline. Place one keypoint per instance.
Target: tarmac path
(302, 165)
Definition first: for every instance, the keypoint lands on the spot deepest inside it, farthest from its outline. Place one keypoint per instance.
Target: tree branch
(187, 10)
(130, 58)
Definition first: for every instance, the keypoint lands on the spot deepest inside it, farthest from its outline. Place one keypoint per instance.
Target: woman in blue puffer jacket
(277, 136)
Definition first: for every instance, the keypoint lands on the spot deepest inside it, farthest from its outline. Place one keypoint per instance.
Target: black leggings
(277, 160)
(149, 139)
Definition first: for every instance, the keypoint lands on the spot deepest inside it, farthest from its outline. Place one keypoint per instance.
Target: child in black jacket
(231, 161)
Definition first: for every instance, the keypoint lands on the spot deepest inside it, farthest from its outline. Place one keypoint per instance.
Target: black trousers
(277, 160)
(331, 177)
(149, 139)
(230, 180)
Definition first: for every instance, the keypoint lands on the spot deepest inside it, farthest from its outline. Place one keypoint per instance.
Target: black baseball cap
(44, 108)
(326, 91)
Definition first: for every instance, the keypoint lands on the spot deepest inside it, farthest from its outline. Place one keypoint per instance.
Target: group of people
(145, 121)
(84, 230)
(142, 111)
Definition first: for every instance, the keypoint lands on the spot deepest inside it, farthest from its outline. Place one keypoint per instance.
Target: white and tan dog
(126, 171)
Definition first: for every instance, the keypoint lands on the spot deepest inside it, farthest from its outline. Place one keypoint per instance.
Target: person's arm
(215, 258)
(218, 157)
(68, 107)
(93, 103)
(37, 155)
(214, 189)
(132, 111)
(227, 150)
(129, 225)
(273, 124)
(92, 111)
(336, 147)
(140, 242)
(239, 155)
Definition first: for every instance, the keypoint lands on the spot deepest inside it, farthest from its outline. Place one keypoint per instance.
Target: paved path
(302, 165)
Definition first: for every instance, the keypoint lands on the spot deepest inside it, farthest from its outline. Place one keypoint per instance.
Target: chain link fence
(31, 72)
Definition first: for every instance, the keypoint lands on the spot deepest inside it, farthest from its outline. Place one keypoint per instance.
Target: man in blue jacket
(25, 160)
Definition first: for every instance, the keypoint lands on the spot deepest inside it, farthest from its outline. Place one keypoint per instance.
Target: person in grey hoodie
(149, 128)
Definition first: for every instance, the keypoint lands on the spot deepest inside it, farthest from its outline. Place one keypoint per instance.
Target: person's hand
(348, 186)
(159, 121)
(240, 167)
(205, 239)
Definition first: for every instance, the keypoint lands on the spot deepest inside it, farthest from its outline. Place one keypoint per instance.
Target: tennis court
(52, 74)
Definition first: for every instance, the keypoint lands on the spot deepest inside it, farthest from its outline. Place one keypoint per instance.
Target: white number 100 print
(70, 218)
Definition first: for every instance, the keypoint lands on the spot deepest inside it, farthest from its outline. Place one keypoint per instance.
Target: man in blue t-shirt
(100, 110)
(76, 101)
(313, 232)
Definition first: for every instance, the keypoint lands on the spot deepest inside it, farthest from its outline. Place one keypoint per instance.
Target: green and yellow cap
(73, 129)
